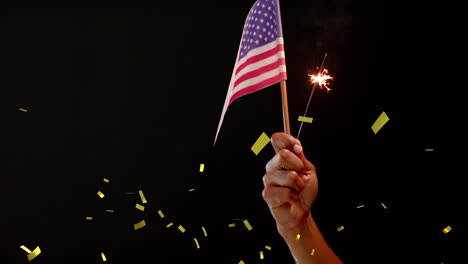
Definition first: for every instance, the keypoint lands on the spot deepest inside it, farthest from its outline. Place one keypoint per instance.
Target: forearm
(311, 247)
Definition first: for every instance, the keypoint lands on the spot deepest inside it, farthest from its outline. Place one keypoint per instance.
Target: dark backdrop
(134, 94)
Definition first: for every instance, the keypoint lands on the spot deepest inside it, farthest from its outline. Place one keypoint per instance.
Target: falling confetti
(428, 149)
(160, 214)
(191, 190)
(202, 167)
(268, 247)
(383, 205)
(89, 218)
(360, 206)
(23, 110)
(169, 225)
(447, 229)
(34, 254)
(241, 262)
(196, 242)
(305, 119)
(298, 236)
(380, 122)
(25, 249)
(340, 228)
(232, 225)
(105, 180)
(100, 194)
(261, 142)
(261, 254)
(140, 207)
(103, 256)
(139, 225)
(181, 228)
(109, 211)
(204, 231)
(313, 252)
(142, 196)
(247, 224)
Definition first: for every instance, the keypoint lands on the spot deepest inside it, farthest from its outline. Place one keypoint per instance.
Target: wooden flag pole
(284, 100)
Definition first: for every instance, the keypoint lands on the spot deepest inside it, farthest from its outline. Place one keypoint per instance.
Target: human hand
(290, 184)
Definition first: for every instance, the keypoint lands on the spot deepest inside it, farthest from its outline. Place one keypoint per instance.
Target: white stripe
(256, 65)
(261, 77)
(259, 50)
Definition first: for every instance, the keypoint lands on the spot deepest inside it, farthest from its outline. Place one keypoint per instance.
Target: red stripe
(258, 86)
(257, 72)
(261, 56)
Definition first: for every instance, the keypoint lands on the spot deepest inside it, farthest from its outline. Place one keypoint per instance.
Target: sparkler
(322, 80)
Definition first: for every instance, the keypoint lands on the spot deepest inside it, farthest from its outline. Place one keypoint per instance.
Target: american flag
(260, 59)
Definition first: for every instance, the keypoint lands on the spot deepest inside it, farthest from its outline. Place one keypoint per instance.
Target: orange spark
(321, 79)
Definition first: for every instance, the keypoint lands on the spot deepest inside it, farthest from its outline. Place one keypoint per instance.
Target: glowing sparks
(321, 79)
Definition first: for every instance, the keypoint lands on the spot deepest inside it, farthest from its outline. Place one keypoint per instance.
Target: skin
(290, 189)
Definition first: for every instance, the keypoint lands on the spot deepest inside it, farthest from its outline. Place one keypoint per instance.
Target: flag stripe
(259, 64)
(258, 86)
(260, 78)
(259, 55)
(258, 71)
(261, 49)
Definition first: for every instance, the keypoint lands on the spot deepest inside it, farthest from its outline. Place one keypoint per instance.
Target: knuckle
(284, 154)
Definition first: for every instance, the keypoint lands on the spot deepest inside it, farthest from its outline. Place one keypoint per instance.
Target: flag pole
(284, 100)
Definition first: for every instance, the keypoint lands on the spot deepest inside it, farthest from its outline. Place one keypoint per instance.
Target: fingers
(284, 159)
(276, 196)
(281, 141)
(280, 178)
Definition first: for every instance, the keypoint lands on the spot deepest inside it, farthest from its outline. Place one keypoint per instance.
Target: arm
(290, 189)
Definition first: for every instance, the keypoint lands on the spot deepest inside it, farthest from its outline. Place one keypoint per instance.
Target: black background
(134, 93)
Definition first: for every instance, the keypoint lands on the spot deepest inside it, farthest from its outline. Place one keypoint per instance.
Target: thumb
(299, 151)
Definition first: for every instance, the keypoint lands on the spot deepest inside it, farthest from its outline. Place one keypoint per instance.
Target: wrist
(305, 226)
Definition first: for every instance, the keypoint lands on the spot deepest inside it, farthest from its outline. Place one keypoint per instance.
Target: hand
(290, 184)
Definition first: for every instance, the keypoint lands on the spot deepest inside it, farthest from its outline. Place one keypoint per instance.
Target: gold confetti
(196, 241)
(191, 190)
(261, 142)
(268, 247)
(261, 254)
(100, 194)
(25, 249)
(181, 228)
(447, 229)
(298, 236)
(170, 224)
(204, 231)
(232, 225)
(23, 110)
(361, 206)
(313, 252)
(305, 119)
(340, 228)
(428, 149)
(105, 180)
(380, 122)
(139, 225)
(34, 254)
(110, 211)
(202, 167)
(385, 207)
(140, 207)
(160, 213)
(142, 196)
(241, 262)
(89, 218)
(103, 256)
(247, 224)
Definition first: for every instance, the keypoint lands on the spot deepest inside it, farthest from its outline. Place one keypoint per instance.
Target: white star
(271, 17)
(265, 38)
(255, 33)
(256, 42)
(258, 27)
(255, 11)
(248, 47)
(263, 5)
(268, 23)
(269, 7)
(255, 19)
(259, 11)
(269, 33)
(271, 26)
(242, 53)
(260, 36)
(250, 41)
(265, 14)
(264, 29)
(261, 20)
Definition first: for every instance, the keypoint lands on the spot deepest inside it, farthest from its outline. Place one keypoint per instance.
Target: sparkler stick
(310, 97)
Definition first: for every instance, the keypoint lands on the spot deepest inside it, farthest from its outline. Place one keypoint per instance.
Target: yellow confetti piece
(181, 228)
(204, 231)
(247, 224)
(232, 225)
(140, 207)
(380, 122)
(170, 224)
(313, 252)
(241, 262)
(160, 213)
(305, 119)
(383, 205)
(105, 180)
(447, 229)
(34, 254)
(191, 190)
(89, 218)
(142, 196)
(103, 256)
(196, 242)
(23, 110)
(25, 249)
(109, 211)
(361, 206)
(298, 236)
(202, 167)
(261, 254)
(261, 142)
(139, 225)
(268, 247)
(340, 228)
(100, 194)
